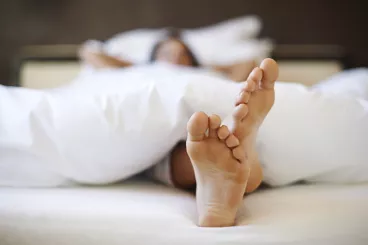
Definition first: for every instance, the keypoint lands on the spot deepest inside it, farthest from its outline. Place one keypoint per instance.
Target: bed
(139, 211)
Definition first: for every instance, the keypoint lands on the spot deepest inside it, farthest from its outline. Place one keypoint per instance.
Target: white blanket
(112, 124)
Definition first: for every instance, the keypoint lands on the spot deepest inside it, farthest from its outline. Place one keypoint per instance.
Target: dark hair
(173, 33)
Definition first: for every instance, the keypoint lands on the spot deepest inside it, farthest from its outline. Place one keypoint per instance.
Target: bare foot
(252, 106)
(221, 178)
(224, 162)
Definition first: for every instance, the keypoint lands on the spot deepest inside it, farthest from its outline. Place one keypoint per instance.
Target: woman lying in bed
(172, 50)
(222, 163)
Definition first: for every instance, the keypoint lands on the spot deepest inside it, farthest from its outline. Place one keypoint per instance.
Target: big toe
(270, 73)
(197, 126)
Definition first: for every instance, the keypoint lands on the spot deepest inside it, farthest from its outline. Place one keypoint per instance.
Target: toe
(242, 98)
(232, 141)
(270, 73)
(253, 80)
(239, 153)
(249, 86)
(197, 126)
(223, 132)
(240, 112)
(215, 123)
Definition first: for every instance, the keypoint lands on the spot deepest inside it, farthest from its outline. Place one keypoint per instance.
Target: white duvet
(112, 124)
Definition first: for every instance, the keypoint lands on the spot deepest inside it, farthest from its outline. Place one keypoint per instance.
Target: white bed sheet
(141, 212)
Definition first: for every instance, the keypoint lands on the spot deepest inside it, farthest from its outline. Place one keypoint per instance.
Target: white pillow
(222, 43)
(112, 124)
(235, 29)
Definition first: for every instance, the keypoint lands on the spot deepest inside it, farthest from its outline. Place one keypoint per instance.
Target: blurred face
(174, 52)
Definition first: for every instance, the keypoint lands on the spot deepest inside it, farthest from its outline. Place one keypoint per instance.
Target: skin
(174, 52)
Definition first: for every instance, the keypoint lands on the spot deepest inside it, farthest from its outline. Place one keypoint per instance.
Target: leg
(222, 160)
(221, 178)
(259, 95)
(182, 173)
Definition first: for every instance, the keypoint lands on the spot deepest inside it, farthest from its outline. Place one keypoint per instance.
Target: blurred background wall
(25, 22)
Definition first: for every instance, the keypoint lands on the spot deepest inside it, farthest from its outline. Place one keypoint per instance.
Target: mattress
(142, 212)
